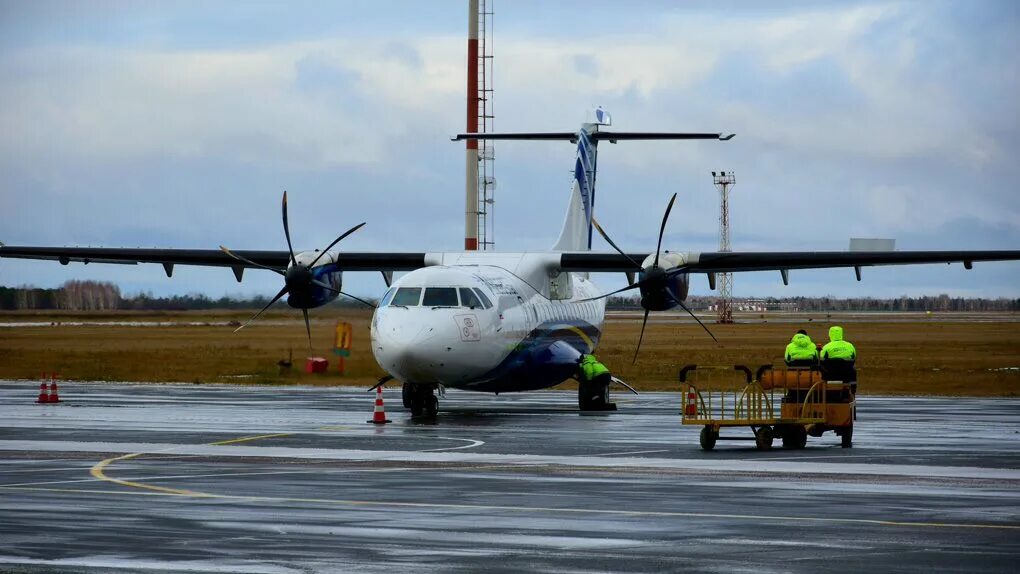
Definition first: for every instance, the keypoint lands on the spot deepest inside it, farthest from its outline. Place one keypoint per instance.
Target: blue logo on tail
(584, 171)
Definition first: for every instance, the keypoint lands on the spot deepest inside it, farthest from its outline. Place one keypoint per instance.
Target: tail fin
(576, 232)
(577, 228)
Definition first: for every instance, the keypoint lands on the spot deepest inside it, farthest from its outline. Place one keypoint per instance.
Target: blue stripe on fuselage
(546, 357)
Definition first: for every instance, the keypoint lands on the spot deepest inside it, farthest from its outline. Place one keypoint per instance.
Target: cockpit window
(407, 296)
(440, 297)
(469, 299)
(386, 298)
(481, 295)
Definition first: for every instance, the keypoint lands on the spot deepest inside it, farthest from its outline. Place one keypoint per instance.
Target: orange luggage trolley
(789, 403)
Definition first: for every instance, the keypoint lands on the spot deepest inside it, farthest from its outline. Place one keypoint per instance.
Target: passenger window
(481, 295)
(440, 297)
(386, 298)
(407, 296)
(469, 299)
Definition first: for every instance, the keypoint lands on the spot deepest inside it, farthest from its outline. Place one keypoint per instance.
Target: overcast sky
(126, 124)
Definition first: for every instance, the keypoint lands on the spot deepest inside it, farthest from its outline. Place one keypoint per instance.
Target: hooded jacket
(590, 368)
(837, 348)
(801, 348)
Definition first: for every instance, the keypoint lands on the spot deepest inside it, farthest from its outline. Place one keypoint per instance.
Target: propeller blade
(662, 229)
(360, 300)
(381, 382)
(286, 230)
(249, 261)
(256, 316)
(308, 327)
(338, 292)
(627, 288)
(640, 338)
(691, 313)
(610, 242)
(337, 240)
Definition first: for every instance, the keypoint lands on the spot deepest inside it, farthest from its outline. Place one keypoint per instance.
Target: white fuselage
(487, 322)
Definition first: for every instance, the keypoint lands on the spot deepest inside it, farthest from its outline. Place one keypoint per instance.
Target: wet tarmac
(188, 478)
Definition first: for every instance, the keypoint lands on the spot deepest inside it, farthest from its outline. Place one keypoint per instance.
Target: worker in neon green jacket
(593, 390)
(801, 352)
(837, 348)
(838, 358)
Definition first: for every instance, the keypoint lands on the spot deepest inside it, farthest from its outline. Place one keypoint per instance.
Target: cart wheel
(708, 437)
(763, 438)
(847, 439)
(794, 437)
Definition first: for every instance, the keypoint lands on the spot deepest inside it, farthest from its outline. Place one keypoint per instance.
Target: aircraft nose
(411, 352)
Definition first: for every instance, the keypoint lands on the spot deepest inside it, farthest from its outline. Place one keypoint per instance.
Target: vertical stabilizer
(576, 232)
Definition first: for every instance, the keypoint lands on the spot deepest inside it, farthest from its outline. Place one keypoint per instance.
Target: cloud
(862, 119)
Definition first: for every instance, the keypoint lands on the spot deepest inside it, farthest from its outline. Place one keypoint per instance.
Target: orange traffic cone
(379, 415)
(691, 408)
(44, 397)
(54, 397)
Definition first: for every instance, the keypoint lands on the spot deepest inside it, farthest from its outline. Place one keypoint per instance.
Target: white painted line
(633, 452)
(472, 443)
(762, 466)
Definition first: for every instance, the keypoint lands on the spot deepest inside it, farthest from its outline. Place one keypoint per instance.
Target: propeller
(654, 278)
(298, 277)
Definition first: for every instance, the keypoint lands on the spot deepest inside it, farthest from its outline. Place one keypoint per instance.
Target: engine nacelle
(660, 291)
(310, 287)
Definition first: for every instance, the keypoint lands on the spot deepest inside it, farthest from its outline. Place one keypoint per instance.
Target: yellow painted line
(336, 427)
(99, 470)
(586, 511)
(251, 438)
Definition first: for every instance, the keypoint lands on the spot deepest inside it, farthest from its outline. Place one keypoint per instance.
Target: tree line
(939, 303)
(103, 296)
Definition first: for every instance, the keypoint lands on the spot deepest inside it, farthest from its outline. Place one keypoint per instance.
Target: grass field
(923, 356)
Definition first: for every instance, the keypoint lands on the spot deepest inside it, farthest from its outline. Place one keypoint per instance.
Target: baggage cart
(789, 403)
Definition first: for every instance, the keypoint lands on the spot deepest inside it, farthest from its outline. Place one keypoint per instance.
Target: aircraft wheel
(763, 438)
(417, 407)
(708, 437)
(407, 394)
(431, 406)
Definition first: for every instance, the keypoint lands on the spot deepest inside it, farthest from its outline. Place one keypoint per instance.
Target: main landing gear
(594, 396)
(419, 398)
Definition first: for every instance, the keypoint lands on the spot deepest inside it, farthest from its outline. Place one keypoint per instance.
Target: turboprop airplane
(501, 321)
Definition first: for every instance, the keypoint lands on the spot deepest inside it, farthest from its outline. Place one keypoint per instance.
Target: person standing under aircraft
(838, 358)
(593, 388)
(801, 352)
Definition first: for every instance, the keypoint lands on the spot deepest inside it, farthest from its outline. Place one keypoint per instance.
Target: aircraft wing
(347, 261)
(720, 262)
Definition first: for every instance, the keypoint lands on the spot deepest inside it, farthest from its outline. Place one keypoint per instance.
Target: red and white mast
(471, 161)
(479, 177)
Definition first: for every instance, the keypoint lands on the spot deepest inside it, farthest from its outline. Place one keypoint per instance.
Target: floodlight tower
(724, 181)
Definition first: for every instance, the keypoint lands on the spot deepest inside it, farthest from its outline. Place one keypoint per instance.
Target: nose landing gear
(419, 398)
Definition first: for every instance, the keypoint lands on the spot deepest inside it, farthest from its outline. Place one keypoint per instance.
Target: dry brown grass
(927, 356)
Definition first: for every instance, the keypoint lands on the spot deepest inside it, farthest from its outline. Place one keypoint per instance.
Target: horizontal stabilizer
(612, 137)
(567, 136)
